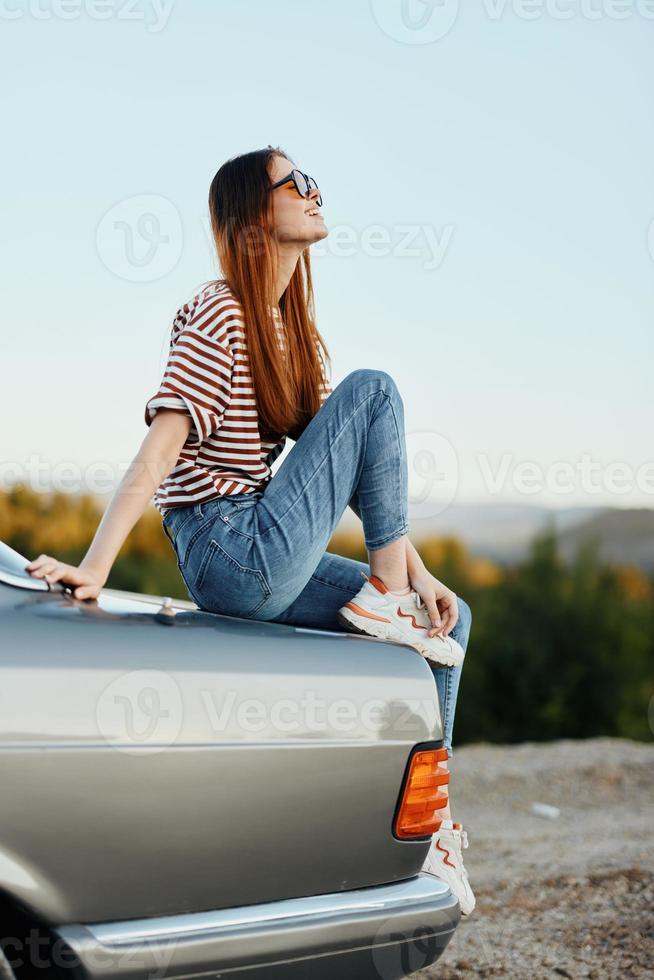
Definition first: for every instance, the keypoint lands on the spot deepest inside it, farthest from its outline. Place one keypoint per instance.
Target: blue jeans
(262, 555)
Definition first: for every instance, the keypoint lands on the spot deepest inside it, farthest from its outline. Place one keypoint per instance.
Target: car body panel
(159, 760)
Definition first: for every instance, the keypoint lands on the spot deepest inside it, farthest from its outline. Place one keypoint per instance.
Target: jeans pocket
(223, 585)
(237, 514)
(187, 533)
(173, 524)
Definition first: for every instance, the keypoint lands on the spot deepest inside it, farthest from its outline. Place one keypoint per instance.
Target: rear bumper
(378, 933)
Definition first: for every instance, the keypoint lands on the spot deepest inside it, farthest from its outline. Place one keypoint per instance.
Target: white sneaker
(445, 861)
(376, 611)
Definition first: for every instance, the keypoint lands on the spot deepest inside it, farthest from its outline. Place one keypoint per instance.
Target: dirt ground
(566, 897)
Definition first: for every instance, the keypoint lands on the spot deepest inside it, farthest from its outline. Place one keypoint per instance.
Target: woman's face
(295, 219)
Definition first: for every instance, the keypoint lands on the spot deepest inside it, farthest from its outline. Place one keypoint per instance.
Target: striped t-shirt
(207, 376)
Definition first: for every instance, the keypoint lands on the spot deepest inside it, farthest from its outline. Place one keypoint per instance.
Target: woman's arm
(440, 601)
(414, 562)
(155, 459)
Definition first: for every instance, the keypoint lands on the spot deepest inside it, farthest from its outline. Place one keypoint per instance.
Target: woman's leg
(335, 580)
(354, 445)
(448, 678)
(447, 684)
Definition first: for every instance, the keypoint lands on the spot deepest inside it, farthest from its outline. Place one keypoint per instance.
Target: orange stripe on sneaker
(378, 584)
(444, 850)
(364, 612)
(416, 625)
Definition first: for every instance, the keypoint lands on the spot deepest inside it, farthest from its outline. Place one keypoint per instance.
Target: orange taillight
(417, 815)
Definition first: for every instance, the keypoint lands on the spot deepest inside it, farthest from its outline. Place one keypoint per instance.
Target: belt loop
(198, 510)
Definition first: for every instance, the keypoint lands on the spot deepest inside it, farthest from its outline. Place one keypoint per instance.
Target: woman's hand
(89, 581)
(440, 601)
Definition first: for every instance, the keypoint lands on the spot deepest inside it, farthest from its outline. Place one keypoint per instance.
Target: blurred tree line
(556, 650)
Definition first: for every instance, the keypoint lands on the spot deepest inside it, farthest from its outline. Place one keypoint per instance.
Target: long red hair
(287, 389)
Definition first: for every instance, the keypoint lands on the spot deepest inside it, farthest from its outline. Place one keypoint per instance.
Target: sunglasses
(304, 184)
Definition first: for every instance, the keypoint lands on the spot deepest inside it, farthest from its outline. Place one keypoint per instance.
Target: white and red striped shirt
(207, 376)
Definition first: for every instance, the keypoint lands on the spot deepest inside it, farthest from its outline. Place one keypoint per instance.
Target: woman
(252, 545)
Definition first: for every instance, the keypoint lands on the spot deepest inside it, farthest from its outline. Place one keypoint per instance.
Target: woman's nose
(314, 194)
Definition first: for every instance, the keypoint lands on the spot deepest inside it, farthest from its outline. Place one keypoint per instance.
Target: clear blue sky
(523, 149)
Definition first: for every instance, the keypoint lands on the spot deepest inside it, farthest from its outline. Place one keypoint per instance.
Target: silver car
(186, 794)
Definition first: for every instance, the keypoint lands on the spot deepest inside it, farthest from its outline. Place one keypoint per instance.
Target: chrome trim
(389, 899)
(148, 598)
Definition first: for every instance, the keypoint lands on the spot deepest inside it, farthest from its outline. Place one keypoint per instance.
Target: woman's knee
(373, 377)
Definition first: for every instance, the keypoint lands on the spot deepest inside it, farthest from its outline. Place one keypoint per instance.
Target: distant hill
(624, 536)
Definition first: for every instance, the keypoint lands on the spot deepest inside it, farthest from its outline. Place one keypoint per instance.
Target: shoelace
(463, 837)
(464, 843)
